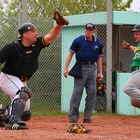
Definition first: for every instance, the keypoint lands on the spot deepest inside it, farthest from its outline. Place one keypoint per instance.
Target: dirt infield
(54, 128)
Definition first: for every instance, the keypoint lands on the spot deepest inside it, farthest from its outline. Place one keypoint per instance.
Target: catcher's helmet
(136, 28)
(26, 27)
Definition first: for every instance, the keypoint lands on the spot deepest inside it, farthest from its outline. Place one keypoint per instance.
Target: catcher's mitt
(78, 129)
(125, 45)
(100, 87)
(60, 20)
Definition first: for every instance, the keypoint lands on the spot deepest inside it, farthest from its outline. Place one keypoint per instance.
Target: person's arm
(60, 21)
(68, 60)
(127, 46)
(100, 69)
(48, 38)
(132, 48)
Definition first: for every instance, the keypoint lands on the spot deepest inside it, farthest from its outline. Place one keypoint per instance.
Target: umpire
(21, 62)
(89, 51)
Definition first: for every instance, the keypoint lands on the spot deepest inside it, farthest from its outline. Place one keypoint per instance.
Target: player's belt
(86, 62)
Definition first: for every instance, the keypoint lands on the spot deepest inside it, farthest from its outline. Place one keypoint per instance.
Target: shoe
(87, 121)
(73, 121)
(17, 126)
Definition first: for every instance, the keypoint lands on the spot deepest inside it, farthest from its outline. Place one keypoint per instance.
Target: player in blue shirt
(88, 51)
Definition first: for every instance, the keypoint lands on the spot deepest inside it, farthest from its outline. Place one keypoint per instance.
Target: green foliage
(43, 8)
(118, 5)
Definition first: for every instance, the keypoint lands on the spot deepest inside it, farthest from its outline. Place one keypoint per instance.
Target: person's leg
(75, 100)
(18, 93)
(79, 85)
(17, 108)
(132, 87)
(91, 94)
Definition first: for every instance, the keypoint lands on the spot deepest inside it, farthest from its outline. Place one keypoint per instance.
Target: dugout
(117, 59)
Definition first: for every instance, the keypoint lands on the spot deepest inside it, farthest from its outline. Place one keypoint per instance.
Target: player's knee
(127, 90)
(26, 115)
(25, 93)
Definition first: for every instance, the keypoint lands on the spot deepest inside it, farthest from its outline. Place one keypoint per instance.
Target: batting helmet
(136, 28)
(26, 27)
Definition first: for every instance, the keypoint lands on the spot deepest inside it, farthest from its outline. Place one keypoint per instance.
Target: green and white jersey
(136, 58)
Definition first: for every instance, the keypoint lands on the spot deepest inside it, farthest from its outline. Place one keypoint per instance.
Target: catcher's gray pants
(132, 87)
(89, 82)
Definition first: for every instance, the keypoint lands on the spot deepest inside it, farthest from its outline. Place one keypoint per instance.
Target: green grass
(58, 113)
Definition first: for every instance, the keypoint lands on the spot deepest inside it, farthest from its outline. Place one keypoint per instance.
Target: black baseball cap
(90, 26)
(136, 28)
(26, 27)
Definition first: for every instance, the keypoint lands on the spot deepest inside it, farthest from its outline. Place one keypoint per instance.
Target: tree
(41, 8)
(121, 6)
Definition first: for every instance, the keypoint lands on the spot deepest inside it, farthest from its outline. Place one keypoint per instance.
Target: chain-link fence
(46, 83)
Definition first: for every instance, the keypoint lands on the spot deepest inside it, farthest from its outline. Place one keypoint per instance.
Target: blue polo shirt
(86, 50)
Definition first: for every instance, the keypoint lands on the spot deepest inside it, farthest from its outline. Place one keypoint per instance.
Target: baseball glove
(60, 20)
(125, 45)
(100, 87)
(78, 129)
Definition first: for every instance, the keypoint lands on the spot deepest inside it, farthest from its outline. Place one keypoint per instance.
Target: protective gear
(78, 129)
(125, 45)
(60, 20)
(26, 116)
(136, 28)
(26, 27)
(17, 108)
(3, 115)
(25, 92)
(100, 87)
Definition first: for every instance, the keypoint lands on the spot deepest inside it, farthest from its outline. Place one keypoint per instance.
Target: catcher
(132, 87)
(21, 62)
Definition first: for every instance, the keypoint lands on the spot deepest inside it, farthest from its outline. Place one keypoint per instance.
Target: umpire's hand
(65, 73)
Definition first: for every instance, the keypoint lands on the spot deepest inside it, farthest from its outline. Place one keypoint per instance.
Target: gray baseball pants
(88, 82)
(132, 87)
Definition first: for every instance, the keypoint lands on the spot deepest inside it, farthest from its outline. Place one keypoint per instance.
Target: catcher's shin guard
(17, 107)
(26, 115)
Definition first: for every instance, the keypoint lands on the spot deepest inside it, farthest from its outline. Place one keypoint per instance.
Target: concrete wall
(123, 100)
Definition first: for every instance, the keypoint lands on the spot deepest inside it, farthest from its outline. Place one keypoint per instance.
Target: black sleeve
(41, 42)
(6, 52)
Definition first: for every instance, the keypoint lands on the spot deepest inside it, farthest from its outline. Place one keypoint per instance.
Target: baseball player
(21, 62)
(132, 87)
(88, 50)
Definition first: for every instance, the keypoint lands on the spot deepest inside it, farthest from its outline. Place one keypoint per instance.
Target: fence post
(109, 57)
(24, 12)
